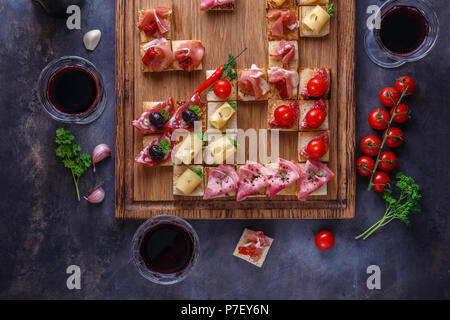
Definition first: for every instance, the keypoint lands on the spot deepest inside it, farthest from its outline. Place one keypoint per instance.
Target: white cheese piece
(188, 149)
(220, 150)
(316, 19)
(221, 116)
(188, 182)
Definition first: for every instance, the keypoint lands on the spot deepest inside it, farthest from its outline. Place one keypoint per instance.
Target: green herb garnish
(165, 146)
(330, 9)
(196, 109)
(232, 104)
(70, 153)
(284, 176)
(228, 71)
(165, 114)
(202, 136)
(314, 175)
(198, 172)
(233, 141)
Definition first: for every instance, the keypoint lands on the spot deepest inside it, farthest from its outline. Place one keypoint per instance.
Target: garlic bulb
(100, 152)
(97, 196)
(91, 39)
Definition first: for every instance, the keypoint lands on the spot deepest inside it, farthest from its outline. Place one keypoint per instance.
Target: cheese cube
(220, 117)
(220, 151)
(187, 150)
(315, 21)
(187, 182)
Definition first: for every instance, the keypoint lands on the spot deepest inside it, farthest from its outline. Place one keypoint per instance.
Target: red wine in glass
(403, 30)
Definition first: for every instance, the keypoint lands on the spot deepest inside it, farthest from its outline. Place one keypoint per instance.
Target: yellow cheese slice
(221, 116)
(188, 149)
(188, 182)
(221, 150)
(316, 19)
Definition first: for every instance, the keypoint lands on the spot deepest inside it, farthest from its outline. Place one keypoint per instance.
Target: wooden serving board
(145, 192)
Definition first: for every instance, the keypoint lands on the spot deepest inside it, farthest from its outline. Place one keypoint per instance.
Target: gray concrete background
(43, 230)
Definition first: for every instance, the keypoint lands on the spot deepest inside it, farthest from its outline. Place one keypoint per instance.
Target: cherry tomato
(380, 181)
(316, 149)
(316, 87)
(379, 119)
(405, 82)
(370, 145)
(149, 54)
(315, 117)
(324, 240)
(365, 166)
(403, 113)
(222, 88)
(389, 97)
(395, 137)
(284, 116)
(388, 161)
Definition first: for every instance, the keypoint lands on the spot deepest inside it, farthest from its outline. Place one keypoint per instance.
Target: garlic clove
(97, 196)
(101, 152)
(91, 39)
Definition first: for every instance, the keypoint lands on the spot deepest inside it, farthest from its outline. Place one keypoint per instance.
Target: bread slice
(175, 45)
(272, 106)
(210, 96)
(304, 137)
(146, 38)
(177, 173)
(305, 32)
(145, 67)
(229, 196)
(287, 4)
(306, 74)
(305, 106)
(273, 45)
(312, 2)
(288, 34)
(242, 97)
(146, 140)
(223, 7)
(241, 242)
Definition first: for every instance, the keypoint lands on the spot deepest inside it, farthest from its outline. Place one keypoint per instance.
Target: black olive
(156, 153)
(157, 120)
(189, 117)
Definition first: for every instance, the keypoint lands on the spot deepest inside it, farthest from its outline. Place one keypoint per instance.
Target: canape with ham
(283, 83)
(252, 84)
(253, 247)
(314, 83)
(155, 116)
(282, 24)
(283, 54)
(157, 56)
(188, 54)
(283, 115)
(221, 181)
(253, 180)
(154, 23)
(284, 175)
(314, 145)
(314, 114)
(313, 176)
(207, 5)
(186, 115)
(157, 152)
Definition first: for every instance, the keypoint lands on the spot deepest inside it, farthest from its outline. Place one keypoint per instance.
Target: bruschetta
(283, 54)
(317, 79)
(313, 180)
(188, 114)
(283, 83)
(155, 23)
(157, 150)
(314, 115)
(252, 84)
(282, 24)
(283, 115)
(253, 247)
(155, 116)
(188, 181)
(188, 55)
(314, 21)
(311, 144)
(222, 87)
(220, 182)
(284, 177)
(157, 56)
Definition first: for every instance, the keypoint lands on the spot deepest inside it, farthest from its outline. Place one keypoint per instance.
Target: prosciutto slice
(253, 177)
(153, 22)
(322, 73)
(189, 55)
(314, 175)
(255, 242)
(323, 136)
(285, 52)
(143, 122)
(284, 174)
(319, 104)
(158, 55)
(144, 157)
(286, 81)
(209, 4)
(176, 121)
(295, 108)
(251, 83)
(221, 181)
(284, 19)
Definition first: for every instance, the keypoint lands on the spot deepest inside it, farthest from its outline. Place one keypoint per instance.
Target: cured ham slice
(144, 157)
(324, 137)
(189, 55)
(286, 81)
(143, 123)
(158, 55)
(313, 176)
(284, 19)
(209, 4)
(284, 52)
(254, 244)
(322, 73)
(295, 108)
(253, 177)
(153, 22)
(285, 173)
(251, 82)
(221, 181)
(176, 121)
(319, 104)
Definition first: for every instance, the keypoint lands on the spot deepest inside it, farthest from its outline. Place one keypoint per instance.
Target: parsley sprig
(228, 71)
(401, 208)
(69, 152)
(330, 9)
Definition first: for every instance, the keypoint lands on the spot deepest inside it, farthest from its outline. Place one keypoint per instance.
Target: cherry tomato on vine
(403, 113)
(284, 116)
(370, 145)
(379, 119)
(395, 137)
(365, 166)
(315, 117)
(316, 149)
(389, 97)
(405, 82)
(317, 87)
(388, 161)
(380, 181)
(324, 240)
(222, 88)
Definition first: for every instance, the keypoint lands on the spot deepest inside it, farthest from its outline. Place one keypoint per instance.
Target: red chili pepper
(249, 251)
(210, 81)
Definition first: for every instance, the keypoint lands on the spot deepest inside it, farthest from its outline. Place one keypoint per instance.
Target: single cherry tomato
(316, 149)
(222, 88)
(379, 119)
(405, 82)
(380, 181)
(284, 116)
(324, 240)
(395, 137)
(149, 54)
(315, 118)
(316, 87)
(365, 166)
(402, 113)
(370, 145)
(388, 161)
(389, 97)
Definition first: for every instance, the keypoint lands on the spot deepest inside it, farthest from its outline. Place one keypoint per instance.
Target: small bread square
(260, 194)
(322, 191)
(145, 67)
(211, 96)
(147, 105)
(146, 140)
(304, 137)
(146, 38)
(288, 34)
(273, 45)
(275, 93)
(312, 2)
(286, 4)
(178, 172)
(175, 45)
(271, 107)
(305, 106)
(230, 195)
(232, 124)
(292, 190)
(304, 32)
(306, 74)
(223, 7)
(247, 258)
(242, 97)
(179, 104)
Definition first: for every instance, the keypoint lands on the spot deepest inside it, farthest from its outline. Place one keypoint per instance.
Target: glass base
(377, 55)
